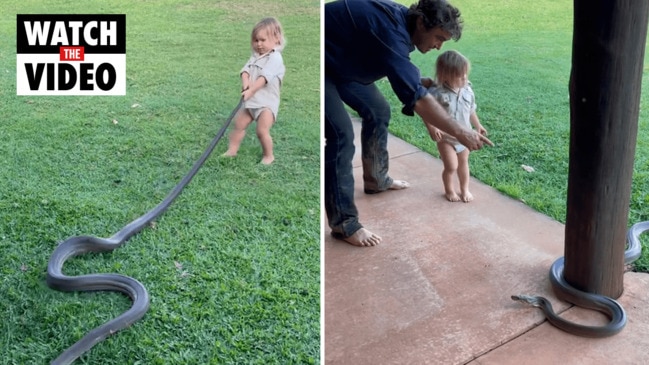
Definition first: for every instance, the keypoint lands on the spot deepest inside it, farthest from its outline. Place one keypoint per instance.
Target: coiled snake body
(604, 304)
(114, 282)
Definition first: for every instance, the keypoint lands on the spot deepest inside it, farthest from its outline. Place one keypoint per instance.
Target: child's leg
(463, 175)
(241, 121)
(264, 122)
(449, 158)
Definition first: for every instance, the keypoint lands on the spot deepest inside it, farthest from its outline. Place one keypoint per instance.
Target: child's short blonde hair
(274, 29)
(451, 65)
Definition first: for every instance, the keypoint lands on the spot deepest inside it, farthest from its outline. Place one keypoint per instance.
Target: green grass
(233, 266)
(520, 53)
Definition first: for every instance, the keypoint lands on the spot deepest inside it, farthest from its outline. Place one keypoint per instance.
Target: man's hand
(473, 140)
(434, 116)
(427, 82)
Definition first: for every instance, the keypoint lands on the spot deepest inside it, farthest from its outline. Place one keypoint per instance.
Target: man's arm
(434, 115)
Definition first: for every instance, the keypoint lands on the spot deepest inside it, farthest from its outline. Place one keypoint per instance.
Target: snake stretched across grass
(608, 306)
(78, 245)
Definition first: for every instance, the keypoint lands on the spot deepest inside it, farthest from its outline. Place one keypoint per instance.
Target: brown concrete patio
(437, 290)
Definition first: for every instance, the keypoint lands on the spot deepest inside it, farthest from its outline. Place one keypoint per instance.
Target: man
(366, 40)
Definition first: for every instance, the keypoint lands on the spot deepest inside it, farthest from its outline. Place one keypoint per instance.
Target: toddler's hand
(436, 135)
(246, 94)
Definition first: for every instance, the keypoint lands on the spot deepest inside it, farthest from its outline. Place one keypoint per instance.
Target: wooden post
(605, 81)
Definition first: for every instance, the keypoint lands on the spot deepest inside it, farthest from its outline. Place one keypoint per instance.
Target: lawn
(521, 53)
(233, 267)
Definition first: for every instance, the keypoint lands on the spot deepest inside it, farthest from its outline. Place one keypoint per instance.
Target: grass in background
(521, 56)
(232, 267)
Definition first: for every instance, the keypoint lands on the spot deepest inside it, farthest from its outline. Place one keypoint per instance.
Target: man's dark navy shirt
(366, 40)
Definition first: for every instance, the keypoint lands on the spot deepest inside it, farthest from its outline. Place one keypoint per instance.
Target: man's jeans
(374, 111)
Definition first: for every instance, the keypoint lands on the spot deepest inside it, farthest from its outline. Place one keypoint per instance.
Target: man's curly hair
(436, 14)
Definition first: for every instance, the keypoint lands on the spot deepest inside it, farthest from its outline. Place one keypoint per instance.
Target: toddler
(453, 90)
(261, 80)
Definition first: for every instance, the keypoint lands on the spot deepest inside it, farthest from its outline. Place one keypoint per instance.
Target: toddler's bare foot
(399, 185)
(229, 153)
(361, 238)
(452, 196)
(467, 196)
(267, 160)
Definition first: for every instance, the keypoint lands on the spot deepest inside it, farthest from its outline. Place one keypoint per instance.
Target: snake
(609, 306)
(136, 291)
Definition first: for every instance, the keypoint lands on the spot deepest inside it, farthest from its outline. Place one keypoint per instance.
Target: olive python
(78, 245)
(610, 307)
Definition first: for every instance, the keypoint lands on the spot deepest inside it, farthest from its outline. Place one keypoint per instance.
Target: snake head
(527, 299)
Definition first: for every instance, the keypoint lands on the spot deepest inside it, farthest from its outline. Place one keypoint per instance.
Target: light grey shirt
(459, 105)
(271, 67)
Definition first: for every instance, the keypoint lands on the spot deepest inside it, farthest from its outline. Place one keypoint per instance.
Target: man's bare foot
(467, 196)
(399, 185)
(267, 160)
(452, 196)
(396, 185)
(361, 238)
